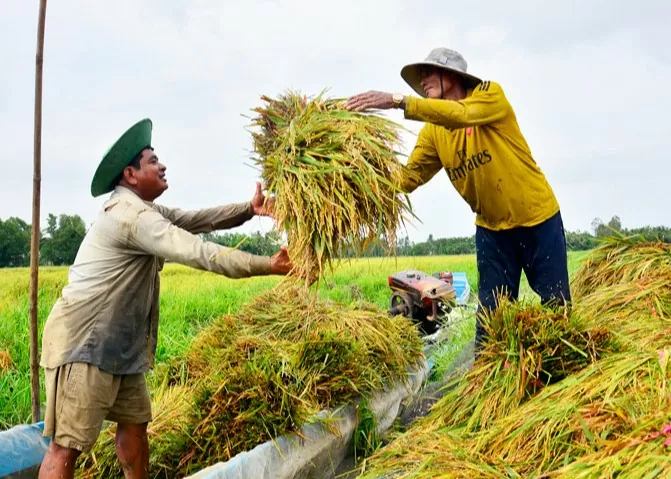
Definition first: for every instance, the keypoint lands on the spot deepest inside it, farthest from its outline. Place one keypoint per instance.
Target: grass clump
(334, 174)
(366, 437)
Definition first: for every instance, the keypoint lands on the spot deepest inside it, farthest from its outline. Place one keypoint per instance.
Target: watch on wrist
(397, 98)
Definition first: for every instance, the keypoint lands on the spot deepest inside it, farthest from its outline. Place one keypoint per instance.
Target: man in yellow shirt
(472, 133)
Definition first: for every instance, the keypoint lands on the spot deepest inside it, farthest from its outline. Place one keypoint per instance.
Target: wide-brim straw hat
(119, 156)
(443, 58)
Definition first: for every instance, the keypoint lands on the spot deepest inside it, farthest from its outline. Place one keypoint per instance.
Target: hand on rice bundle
(334, 176)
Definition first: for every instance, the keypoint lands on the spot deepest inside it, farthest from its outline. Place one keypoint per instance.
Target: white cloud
(585, 79)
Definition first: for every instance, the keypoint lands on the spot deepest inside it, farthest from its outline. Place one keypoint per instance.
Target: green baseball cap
(119, 156)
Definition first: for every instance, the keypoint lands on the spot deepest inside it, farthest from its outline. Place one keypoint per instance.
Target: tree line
(575, 241)
(61, 239)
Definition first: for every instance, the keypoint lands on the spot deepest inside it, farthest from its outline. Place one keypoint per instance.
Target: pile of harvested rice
(266, 371)
(607, 416)
(626, 286)
(334, 176)
(622, 261)
(610, 402)
(528, 348)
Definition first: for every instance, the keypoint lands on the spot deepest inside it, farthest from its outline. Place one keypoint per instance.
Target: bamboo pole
(35, 239)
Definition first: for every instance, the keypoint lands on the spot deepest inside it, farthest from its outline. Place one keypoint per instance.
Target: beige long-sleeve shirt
(108, 313)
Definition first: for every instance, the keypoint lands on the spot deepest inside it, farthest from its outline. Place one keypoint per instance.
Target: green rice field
(189, 300)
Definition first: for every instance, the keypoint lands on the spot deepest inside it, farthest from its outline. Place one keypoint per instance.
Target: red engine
(421, 297)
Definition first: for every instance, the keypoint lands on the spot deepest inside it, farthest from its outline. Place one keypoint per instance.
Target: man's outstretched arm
(219, 217)
(155, 234)
(486, 105)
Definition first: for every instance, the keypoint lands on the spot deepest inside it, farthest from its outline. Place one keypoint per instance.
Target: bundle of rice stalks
(626, 286)
(333, 173)
(637, 313)
(527, 348)
(643, 452)
(622, 261)
(579, 417)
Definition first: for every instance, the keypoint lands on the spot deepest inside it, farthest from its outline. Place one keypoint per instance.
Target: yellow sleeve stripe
(484, 86)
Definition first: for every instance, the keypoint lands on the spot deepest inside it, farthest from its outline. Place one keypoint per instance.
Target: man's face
(149, 181)
(431, 79)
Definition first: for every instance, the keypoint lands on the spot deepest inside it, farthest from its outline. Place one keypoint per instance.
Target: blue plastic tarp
(22, 448)
(461, 287)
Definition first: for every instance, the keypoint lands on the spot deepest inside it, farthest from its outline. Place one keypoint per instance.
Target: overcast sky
(588, 81)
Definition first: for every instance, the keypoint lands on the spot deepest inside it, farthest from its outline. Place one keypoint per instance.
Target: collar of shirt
(127, 194)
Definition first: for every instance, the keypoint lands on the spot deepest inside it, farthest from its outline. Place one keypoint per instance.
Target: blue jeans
(502, 255)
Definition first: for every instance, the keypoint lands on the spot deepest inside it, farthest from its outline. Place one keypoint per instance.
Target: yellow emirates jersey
(478, 143)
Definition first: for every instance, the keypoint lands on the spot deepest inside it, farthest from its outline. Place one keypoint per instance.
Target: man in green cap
(100, 337)
(471, 132)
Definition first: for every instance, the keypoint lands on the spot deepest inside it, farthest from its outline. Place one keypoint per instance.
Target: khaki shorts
(80, 397)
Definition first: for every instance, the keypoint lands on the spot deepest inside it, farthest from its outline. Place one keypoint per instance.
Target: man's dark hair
(134, 163)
